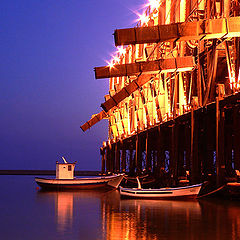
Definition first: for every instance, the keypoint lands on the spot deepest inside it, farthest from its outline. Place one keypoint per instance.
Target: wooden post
(220, 164)
(210, 142)
(195, 163)
(112, 158)
(108, 156)
(103, 153)
(123, 158)
(148, 154)
(138, 157)
(131, 162)
(117, 157)
(174, 153)
(160, 150)
(181, 143)
(236, 140)
(188, 146)
(228, 142)
(202, 144)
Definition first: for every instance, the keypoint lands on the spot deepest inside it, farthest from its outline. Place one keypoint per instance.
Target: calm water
(27, 213)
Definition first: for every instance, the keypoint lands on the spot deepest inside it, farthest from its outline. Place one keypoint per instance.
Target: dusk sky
(48, 51)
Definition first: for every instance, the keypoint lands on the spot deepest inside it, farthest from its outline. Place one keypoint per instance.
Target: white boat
(81, 183)
(161, 193)
(65, 179)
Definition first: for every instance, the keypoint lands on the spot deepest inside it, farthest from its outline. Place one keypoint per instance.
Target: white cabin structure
(65, 170)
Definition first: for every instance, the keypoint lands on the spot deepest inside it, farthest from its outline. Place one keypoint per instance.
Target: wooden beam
(95, 119)
(139, 82)
(164, 65)
(203, 29)
(125, 92)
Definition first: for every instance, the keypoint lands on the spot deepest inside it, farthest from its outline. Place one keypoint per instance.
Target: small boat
(65, 179)
(161, 193)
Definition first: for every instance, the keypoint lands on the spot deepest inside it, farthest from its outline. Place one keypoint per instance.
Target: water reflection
(224, 217)
(80, 211)
(103, 215)
(64, 210)
(144, 219)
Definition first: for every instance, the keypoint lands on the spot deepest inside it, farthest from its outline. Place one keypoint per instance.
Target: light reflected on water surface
(27, 213)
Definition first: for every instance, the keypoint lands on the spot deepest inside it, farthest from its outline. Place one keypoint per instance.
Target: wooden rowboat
(80, 183)
(178, 192)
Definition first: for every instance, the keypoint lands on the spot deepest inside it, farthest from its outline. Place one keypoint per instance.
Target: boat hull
(162, 193)
(80, 183)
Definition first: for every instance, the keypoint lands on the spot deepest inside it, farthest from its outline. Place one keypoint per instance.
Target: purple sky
(48, 51)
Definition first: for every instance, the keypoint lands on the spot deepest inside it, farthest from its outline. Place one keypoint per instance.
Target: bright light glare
(154, 4)
(143, 18)
(110, 64)
(116, 59)
(121, 50)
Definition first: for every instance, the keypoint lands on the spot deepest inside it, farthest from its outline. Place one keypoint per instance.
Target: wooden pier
(204, 142)
(174, 94)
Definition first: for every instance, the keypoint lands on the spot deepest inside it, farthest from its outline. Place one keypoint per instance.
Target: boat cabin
(65, 170)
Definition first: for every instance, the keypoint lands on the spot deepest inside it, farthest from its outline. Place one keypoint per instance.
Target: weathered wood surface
(202, 29)
(178, 64)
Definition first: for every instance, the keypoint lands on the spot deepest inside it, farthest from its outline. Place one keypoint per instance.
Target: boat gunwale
(156, 190)
(77, 179)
